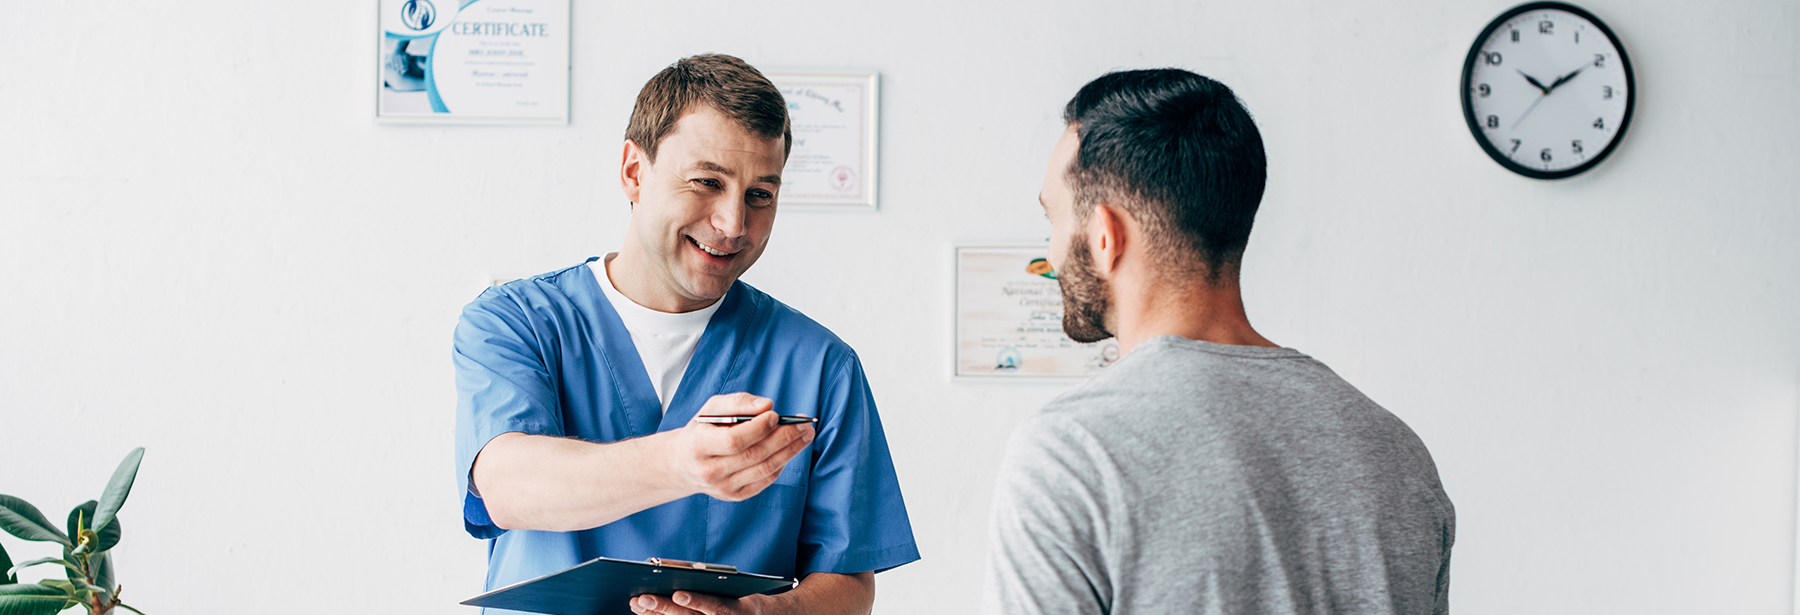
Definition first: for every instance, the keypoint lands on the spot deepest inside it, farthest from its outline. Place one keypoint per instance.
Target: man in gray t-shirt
(1209, 470)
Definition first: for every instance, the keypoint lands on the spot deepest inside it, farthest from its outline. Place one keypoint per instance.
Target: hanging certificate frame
(472, 62)
(1009, 314)
(835, 118)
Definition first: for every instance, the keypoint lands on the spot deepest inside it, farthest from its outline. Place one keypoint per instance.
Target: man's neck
(1198, 312)
(639, 283)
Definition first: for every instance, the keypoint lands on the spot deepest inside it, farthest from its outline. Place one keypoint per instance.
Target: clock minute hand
(1534, 83)
(1564, 79)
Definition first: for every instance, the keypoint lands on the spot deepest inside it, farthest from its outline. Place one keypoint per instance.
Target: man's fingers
(755, 440)
(725, 441)
(722, 440)
(703, 603)
(779, 447)
(648, 604)
(736, 403)
(752, 479)
(739, 461)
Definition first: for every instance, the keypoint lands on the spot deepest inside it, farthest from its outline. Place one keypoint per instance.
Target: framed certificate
(1009, 313)
(486, 62)
(834, 118)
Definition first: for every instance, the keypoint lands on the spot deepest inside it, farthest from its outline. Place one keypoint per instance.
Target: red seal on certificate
(843, 179)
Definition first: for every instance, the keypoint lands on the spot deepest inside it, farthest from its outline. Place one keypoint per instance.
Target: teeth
(710, 250)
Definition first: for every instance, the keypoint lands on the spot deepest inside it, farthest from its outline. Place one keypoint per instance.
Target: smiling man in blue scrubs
(577, 389)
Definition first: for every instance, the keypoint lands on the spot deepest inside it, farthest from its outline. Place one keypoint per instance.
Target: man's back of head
(1177, 151)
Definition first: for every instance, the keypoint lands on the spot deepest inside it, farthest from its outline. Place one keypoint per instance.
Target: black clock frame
(1468, 92)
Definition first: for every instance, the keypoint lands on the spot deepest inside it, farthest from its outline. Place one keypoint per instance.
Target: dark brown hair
(724, 83)
(1179, 153)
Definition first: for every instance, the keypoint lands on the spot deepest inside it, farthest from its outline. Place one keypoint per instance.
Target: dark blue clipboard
(605, 586)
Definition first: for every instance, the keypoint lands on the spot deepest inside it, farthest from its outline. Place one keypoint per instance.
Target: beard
(1084, 295)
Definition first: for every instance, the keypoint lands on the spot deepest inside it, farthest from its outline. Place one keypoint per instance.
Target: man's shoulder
(1200, 386)
(560, 290)
(556, 285)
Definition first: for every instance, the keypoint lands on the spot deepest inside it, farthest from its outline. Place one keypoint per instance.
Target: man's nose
(728, 215)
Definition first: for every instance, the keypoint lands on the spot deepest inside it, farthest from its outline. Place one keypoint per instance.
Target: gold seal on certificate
(1009, 312)
(834, 118)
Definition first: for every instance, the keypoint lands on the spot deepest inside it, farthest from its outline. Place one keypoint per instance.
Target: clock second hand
(1534, 105)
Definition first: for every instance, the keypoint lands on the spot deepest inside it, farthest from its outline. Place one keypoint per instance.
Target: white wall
(209, 249)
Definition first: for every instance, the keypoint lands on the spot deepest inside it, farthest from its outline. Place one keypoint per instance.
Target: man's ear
(1108, 231)
(632, 167)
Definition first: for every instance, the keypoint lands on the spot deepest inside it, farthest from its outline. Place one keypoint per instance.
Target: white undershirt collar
(665, 342)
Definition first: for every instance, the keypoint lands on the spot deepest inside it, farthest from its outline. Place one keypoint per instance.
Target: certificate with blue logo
(473, 61)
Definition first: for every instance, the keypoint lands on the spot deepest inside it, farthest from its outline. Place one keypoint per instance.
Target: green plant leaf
(80, 517)
(71, 591)
(45, 560)
(32, 589)
(129, 607)
(117, 489)
(81, 591)
(84, 515)
(19, 518)
(32, 599)
(6, 578)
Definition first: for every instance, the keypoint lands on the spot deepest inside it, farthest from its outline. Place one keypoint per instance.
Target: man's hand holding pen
(734, 462)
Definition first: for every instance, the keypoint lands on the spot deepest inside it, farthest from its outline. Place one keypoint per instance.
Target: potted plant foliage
(93, 530)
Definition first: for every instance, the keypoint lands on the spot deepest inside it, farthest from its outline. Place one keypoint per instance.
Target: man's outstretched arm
(531, 482)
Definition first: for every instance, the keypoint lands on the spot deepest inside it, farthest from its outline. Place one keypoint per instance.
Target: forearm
(824, 593)
(533, 482)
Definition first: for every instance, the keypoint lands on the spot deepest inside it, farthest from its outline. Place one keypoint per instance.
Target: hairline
(1127, 198)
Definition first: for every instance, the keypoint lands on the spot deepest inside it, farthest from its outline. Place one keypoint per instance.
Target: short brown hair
(1180, 154)
(726, 84)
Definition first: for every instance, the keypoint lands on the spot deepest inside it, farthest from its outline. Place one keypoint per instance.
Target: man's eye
(710, 183)
(761, 197)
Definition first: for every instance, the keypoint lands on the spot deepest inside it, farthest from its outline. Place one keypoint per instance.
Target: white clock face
(1548, 90)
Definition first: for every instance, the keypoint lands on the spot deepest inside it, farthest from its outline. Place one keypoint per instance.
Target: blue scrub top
(548, 355)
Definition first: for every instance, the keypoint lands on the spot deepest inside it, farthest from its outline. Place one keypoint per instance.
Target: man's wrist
(660, 475)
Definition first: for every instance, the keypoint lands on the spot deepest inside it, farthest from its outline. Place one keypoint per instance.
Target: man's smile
(709, 249)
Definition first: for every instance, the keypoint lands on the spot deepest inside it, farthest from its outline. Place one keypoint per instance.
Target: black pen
(735, 419)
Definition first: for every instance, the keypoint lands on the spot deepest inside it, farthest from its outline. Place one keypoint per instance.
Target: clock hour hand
(1565, 79)
(1534, 83)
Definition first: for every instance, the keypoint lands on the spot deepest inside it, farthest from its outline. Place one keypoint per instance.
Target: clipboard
(605, 586)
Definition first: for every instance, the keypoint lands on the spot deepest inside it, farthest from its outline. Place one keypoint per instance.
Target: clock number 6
(1545, 155)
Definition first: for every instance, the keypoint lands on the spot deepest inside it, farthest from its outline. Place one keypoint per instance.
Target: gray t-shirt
(1193, 477)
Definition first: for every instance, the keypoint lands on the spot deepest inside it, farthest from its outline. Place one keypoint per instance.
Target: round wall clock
(1547, 90)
